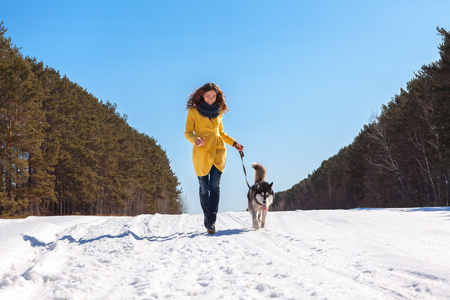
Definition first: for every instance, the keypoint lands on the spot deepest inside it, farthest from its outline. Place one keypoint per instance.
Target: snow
(328, 254)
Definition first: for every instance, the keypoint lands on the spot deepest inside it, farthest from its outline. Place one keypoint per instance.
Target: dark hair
(196, 98)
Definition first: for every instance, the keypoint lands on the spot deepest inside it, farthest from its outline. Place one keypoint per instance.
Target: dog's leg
(263, 219)
(258, 214)
(255, 219)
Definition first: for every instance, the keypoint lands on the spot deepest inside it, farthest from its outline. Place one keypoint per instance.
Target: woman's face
(210, 97)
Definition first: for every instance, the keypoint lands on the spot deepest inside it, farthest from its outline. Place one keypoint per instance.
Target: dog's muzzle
(264, 204)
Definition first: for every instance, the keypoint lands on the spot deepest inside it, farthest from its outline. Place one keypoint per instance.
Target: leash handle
(241, 153)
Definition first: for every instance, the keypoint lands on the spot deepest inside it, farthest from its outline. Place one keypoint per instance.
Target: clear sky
(301, 77)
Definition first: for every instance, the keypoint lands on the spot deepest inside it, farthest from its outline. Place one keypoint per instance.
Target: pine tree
(21, 126)
(64, 152)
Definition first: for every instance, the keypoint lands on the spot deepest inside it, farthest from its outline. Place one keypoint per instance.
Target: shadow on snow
(34, 242)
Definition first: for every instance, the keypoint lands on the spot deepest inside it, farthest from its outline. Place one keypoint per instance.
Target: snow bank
(334, 254)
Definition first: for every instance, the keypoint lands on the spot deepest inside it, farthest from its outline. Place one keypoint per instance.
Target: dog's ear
(270, 185)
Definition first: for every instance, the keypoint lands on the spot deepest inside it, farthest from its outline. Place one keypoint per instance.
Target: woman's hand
(200, 142)
(238, 146)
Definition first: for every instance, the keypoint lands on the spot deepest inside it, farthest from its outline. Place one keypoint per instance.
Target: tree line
(63, 152)
(400, 159)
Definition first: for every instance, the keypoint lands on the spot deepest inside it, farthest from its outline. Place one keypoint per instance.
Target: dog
(260, 197)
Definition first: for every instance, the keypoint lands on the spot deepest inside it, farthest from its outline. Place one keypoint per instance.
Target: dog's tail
(260, 172)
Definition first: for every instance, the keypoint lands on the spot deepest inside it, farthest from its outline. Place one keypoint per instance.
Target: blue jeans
(209, 191)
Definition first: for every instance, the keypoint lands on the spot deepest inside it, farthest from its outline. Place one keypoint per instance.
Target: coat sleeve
(226, 138)
(190, 127)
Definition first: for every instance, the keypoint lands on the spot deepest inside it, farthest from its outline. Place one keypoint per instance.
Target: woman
(204, 129)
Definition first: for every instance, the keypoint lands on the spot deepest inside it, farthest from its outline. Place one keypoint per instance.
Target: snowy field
(331, 254)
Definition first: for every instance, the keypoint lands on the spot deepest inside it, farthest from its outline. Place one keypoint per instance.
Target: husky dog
(260, 197)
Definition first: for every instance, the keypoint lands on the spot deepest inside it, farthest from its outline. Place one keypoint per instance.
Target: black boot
(211, 229)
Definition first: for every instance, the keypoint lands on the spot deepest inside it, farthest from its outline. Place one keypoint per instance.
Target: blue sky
(301, 77)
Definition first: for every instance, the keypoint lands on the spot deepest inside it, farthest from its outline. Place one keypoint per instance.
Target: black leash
(241, 153)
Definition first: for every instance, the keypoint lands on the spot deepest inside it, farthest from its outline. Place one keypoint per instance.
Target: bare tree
(385, 163)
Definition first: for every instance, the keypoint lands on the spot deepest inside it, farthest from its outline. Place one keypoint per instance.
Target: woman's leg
(204, 196)
(214, 194)
(209, 191)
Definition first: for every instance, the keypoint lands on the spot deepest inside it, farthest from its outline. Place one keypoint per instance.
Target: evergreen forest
(64, 152)
(400, 159)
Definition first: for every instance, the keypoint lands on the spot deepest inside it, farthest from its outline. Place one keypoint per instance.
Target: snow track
(370, 254)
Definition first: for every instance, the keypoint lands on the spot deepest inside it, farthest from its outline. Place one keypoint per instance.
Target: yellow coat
(214, 151)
